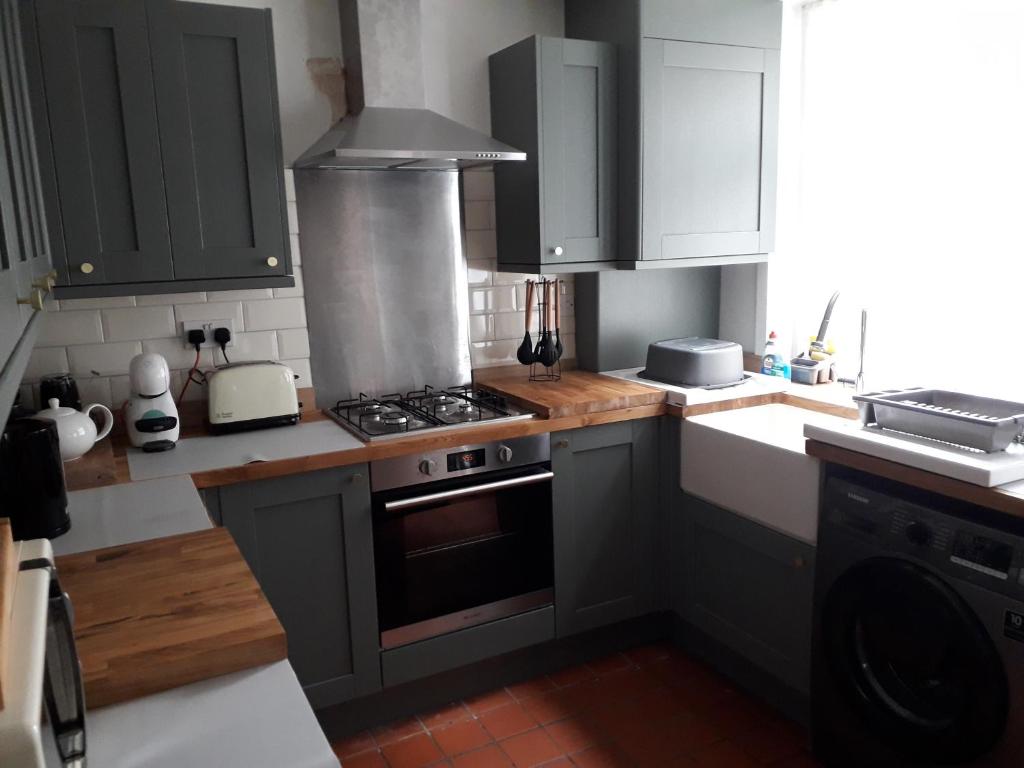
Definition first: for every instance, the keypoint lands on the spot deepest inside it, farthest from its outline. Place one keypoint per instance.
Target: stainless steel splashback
(385, 280)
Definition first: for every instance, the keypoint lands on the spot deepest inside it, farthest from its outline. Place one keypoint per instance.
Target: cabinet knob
(34, 299)
(356, 478)
(557, 250)
(563, 443)
(86, 268)
(272, 261)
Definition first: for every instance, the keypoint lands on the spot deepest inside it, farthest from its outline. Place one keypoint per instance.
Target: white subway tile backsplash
(481, 244)
(293, 218)
(161, 299)
(103, 359)
(109, 302)
(296, 290)
(177, 354)
(488, 353)
(274, 314)
(63, 328)
(499, 299)
(250, 294)
(481, 327)
(138, 323)
(213, 311)
(293, 342)
(253, 345)
(44, 360)
(300, 367)
(510, 278)
(511, 325)
(121, 390)
(296, 253)
(289, 184)
(94, 390)
(478, 185)
(480, 272)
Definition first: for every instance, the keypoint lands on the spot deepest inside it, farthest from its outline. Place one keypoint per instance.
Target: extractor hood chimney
(388, 125)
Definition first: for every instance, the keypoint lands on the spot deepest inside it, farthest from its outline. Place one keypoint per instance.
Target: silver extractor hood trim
(396, 138)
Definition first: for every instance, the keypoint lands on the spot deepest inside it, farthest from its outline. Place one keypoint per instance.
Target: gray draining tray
(952, 417)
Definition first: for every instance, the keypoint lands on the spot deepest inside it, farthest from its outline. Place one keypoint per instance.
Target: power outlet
(207, 327)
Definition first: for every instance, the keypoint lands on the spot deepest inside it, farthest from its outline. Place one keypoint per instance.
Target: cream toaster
(252, 396)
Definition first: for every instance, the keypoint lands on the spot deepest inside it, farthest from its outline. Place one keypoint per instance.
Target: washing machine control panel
(954, 545)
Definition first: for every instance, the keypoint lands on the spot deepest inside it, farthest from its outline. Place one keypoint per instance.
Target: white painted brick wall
(100, 336)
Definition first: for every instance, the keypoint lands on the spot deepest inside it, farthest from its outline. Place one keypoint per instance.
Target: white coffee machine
(150, 414)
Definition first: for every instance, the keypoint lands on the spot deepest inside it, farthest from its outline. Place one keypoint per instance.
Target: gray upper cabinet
(214, 72)
(698, 121)
(309, 540)
(605, 526)
(161, 135)
(555, 99)
(25, 257)
(709, 147)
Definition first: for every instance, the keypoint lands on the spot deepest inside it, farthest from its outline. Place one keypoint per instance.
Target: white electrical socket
(207, 327)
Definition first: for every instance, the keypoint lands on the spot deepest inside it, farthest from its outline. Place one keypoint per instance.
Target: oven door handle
(473, 490)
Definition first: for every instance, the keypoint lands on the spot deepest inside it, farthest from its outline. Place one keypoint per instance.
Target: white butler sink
(751, 461)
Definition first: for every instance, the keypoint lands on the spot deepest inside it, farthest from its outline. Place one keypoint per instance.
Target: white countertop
(199, 454)
(258, 718)
(756, 384)
(122, 514)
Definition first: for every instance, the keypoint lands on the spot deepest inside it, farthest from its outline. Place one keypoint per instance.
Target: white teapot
(76, 432)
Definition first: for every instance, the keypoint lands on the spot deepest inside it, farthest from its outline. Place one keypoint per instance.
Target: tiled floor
(652, 706)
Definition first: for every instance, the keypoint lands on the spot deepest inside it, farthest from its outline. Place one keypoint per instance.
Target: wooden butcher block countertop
(165, 613)
(577, 393)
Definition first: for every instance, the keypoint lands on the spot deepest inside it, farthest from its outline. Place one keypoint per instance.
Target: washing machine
(918, 644)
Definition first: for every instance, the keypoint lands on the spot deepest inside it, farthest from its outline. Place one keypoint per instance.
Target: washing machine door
(913, 662)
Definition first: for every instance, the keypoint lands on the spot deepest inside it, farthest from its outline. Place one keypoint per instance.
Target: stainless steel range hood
(388, 127)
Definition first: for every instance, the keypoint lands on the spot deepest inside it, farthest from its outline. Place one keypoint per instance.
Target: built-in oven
(462, 536)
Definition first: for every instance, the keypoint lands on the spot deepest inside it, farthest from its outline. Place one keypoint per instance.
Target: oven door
(459, 553)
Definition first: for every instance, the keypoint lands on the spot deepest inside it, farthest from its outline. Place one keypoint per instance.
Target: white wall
(459, 35)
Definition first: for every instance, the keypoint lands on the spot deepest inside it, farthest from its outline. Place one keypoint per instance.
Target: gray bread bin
(695, 362)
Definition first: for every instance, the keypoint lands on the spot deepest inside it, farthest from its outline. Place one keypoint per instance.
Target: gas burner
(438, 402)
(395, 418)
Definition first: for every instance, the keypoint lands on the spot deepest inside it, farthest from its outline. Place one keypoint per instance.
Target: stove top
(396, 415)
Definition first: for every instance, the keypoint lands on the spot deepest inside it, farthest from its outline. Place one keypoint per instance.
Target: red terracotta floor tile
(488, 757)
(507, 721)
(609, 664)
(559, 762)
(736, 715)
(354, 744)
(530, 749)
(658, 704)
(446, 715)
(581, 697)
(774, 740)
(485, 702)
(602, 756)
(724, 754)
(530, 688)
(460, 737)
(803, 760)
(693, 733)
(647, 655)
(574, 734)
(414, 752)
(399, 729)
(550, 707)
(625, 684)
(371, 759)
(572, 676)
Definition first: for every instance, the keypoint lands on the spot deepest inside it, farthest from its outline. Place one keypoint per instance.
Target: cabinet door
(605, 497)
(578, 117)
(106, 149)
(749, 588)
(309, 540)
(710, 121)
(24, 243)
(217, 101)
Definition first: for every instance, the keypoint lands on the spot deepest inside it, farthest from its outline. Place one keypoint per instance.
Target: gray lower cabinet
(556, 100)
(160, 139)
(309, 540)
(605, 494)
(25, 257)
(746, 586)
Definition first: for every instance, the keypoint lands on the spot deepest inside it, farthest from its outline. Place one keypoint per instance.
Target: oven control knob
(504, 454)
(428, 467)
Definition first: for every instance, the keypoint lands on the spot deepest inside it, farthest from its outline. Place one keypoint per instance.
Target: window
(902, 186)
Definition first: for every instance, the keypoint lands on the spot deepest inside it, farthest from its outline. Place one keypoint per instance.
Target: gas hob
(396, 415)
